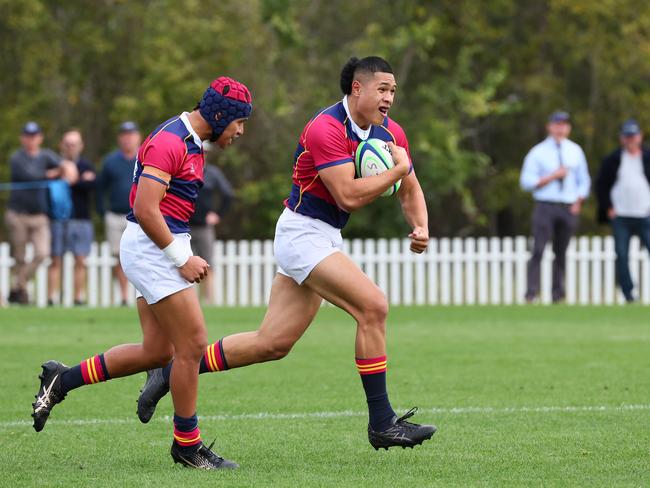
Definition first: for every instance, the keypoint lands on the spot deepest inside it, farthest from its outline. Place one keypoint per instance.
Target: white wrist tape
(177, 253)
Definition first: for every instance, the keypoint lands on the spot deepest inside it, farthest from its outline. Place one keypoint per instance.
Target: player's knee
(277, 348)
(159, 359)
(193, 348)
(374, 311)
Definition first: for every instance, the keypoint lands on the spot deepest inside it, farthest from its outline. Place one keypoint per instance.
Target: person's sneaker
(201, 458)
(401, 433)
(153, 390)
(49, 394)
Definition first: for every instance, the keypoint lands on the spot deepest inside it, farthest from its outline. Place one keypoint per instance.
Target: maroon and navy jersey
(174, 148)
(328, 140)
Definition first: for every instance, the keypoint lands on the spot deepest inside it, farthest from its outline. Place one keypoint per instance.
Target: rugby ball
(373, 158)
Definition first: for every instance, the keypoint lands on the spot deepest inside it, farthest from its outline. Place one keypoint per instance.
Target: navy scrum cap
(128, 126)
(630, 128)
(559, 116)
(224, 101)
(31, 128)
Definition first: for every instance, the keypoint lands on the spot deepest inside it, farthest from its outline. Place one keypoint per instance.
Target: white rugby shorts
(146, 266)
(302, 242)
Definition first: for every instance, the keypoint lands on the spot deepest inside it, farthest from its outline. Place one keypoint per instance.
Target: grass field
(522, 396)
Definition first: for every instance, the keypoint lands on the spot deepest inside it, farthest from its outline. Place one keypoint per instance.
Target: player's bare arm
(146, 208)
(351, 194)
(414, 208)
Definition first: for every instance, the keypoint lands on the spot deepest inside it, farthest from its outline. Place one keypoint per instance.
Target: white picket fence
(452, 272)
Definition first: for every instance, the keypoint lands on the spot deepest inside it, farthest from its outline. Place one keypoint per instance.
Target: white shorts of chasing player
(302, 242)
(146, 266)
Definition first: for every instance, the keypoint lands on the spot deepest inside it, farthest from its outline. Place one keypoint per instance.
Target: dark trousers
(624, 228)
(551, 221)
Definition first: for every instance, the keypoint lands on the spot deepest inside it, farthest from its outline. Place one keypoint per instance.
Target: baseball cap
(31, 128)
(559, 116)
(128, 126)
(630, 128)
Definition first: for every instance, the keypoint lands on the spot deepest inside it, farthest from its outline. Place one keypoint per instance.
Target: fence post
(219, 265)
(596, 270)
(243, 258)
(432, 272)
(610, 275)
(495, 271)
(231, 273)
(521, 265)
(407, 258)
(508, 262)
(6, 262)
(483, 258)
(583, 266)
(470, 274)
(257, 264)
(457, 270)
(445, 276)
(395, 272)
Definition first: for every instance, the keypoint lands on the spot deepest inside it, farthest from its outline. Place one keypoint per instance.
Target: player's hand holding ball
(419, 239)
(400, 158)
(195, 269)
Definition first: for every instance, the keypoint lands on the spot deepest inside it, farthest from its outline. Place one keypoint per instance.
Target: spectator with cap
(27, 210)
(114, 183)
(555, 171)
(623, 191)
(207, 216)
(75, 234)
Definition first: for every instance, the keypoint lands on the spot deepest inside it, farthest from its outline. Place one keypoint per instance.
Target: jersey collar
(188, 126)
(362, 134)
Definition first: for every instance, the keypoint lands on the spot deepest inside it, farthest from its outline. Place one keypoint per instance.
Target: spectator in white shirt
(623, 190)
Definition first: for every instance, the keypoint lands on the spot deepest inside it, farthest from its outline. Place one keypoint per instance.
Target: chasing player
(308, 243)
(156, 255)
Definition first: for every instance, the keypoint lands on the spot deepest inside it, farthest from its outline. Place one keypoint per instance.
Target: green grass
(498, 358)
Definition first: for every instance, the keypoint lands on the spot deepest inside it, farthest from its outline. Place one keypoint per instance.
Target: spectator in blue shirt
(555, 171)
(114, 182)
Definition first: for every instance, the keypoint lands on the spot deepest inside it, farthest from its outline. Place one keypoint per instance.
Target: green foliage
(476, 82)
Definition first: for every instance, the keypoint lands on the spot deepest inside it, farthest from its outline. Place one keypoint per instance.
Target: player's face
(232, 131)
(376, 95)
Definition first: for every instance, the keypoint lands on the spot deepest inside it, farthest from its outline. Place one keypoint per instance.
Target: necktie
(559, 156)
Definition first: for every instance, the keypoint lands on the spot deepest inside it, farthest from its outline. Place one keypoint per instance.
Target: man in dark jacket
(623, 191)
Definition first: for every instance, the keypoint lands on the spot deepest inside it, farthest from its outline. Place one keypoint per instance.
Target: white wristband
(177, 253)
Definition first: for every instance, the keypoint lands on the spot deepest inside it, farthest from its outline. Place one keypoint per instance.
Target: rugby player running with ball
(308, 248)
(157, 258)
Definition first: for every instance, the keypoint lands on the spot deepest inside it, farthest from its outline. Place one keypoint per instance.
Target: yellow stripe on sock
(365, 367)
(376, 370)
(182, 440)
(213, 360)
(91, 369)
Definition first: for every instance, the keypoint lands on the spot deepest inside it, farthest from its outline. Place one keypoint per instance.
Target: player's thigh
(154, 337)
(291, 310)
(340, 281)
(181, 318)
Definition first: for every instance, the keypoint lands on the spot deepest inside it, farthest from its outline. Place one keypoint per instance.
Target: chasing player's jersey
(174, 148)
(329, 140)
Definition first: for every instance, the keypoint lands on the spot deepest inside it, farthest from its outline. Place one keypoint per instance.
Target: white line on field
(346, 413)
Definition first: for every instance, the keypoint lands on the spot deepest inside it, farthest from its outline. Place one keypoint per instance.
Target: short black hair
(370, 64)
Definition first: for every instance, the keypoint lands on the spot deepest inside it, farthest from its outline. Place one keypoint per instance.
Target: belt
(558, 204)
